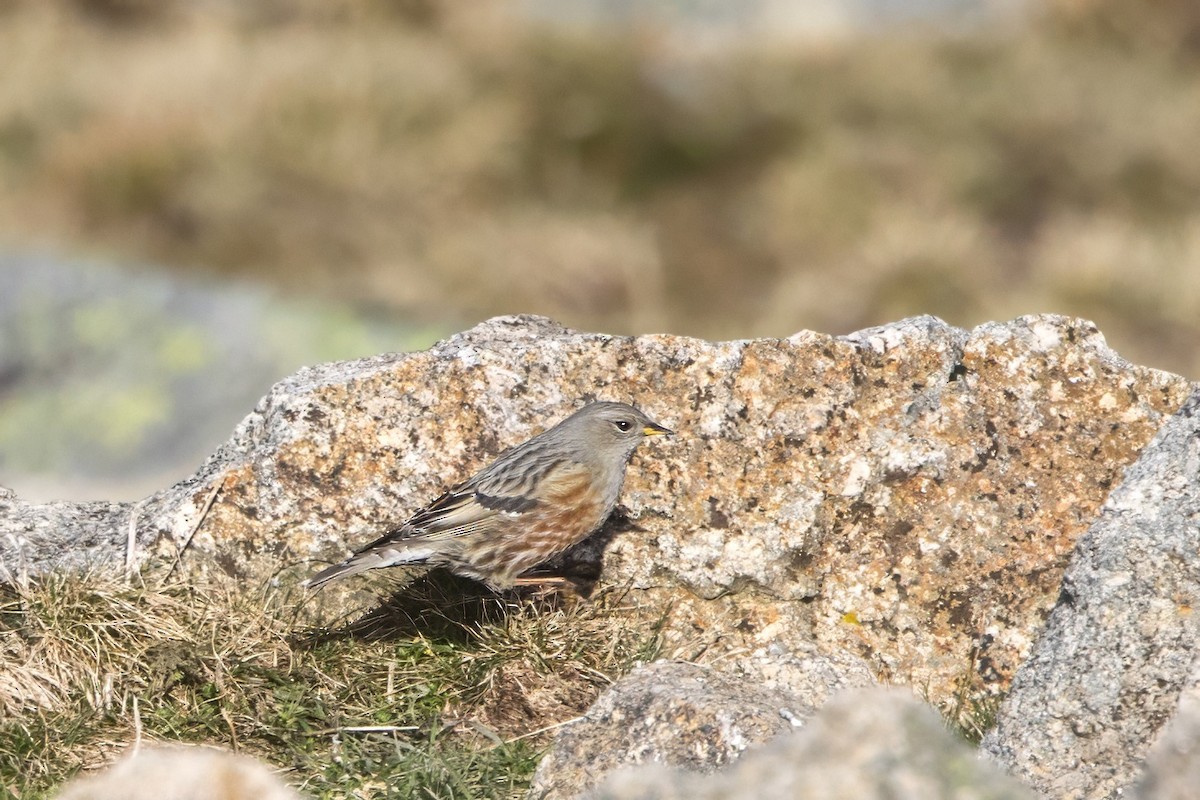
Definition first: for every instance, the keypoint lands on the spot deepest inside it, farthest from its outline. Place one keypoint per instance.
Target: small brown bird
(528, 505)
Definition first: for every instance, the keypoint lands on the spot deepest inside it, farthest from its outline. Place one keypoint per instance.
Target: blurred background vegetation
(441, 162)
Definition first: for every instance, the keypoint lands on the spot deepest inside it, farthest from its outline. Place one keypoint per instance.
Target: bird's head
(612, 427)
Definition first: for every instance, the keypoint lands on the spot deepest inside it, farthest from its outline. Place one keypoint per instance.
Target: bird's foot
(548, 587)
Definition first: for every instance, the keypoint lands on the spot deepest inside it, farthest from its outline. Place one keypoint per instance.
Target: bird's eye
(623, 425)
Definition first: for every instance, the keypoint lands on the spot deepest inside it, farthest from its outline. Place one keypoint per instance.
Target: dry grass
(451, 159)
(435, 693)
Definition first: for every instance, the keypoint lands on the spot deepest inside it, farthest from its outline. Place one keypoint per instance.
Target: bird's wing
(464, 510)
(478, 505)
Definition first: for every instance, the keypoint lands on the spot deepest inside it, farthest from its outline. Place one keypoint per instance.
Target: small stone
(182, 773)
(878, 744)
(665, 712)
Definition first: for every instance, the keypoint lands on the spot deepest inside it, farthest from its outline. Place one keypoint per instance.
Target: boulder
(1119, 647)
(908, 494)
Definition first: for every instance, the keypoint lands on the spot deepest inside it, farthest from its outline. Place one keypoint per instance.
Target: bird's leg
(554, 588)
(545, 581)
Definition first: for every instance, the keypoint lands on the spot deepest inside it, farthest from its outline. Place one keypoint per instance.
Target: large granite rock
(1119, 647)
(879, 744)
(909, 494)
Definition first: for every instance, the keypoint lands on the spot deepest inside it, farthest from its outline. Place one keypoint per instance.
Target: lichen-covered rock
(879, 744)
(908, 493)
(800, 669)
(670, 713)
(1117, 649)
(35, 537)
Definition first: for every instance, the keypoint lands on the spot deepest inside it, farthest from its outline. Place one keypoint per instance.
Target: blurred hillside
(115, 383)
(449, 161)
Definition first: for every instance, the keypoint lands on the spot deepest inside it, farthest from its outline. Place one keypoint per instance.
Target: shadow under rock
(446, 608)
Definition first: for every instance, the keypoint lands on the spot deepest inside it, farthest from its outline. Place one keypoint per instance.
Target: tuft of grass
(972, 711)
(438, 691)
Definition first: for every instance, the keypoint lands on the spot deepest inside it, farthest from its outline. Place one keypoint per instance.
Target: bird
(530, 504)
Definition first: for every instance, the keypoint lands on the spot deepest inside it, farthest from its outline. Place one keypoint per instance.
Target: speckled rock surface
(669, 713)
(1117, 650)
(909, 493)
(880, 744)
(799, 668)
(38, 536)
(1172, 769)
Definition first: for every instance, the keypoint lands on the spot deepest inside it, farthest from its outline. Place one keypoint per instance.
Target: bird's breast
(572, 501)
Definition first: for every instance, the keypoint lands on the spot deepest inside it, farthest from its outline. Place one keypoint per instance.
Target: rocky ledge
(896, 505)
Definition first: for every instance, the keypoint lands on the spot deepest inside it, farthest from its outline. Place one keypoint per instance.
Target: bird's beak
(654, 429)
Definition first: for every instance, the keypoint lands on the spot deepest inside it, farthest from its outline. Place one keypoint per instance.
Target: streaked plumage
(530, 504)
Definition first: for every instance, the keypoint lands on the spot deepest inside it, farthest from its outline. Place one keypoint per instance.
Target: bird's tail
(384, 554)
